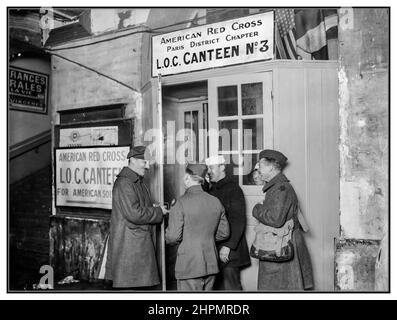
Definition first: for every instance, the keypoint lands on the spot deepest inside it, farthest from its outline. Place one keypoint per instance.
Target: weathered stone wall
(364, 134)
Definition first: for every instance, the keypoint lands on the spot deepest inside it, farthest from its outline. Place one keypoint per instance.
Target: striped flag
(314, 27)
(285, 34)
(306, 34)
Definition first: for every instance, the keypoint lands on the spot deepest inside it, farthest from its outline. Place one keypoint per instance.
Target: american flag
(285, 34)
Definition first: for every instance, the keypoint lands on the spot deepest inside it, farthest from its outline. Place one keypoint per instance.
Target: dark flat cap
(137, 152)
(197, 169)
(273, 154)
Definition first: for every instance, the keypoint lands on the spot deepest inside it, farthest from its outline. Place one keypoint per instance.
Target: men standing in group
(131, 260)
(233, 252)
(196, 221)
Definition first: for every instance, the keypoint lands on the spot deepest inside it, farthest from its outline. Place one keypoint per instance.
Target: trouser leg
(209, 282)
(198, 284)
(190, 285)
(229, 279)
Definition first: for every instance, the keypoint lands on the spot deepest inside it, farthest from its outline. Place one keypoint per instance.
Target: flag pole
(161, 177)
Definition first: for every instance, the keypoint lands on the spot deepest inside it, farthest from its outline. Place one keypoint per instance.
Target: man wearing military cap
(281, 205)
(196, 221)
(131, 260)
(233, 252)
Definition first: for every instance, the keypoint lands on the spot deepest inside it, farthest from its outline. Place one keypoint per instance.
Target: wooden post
(161, 178)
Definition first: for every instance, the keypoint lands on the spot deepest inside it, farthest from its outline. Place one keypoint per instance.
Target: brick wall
(29, 212)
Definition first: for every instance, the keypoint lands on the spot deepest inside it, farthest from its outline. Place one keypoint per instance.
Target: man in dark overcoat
(233, 252)
(279, 206)
(131, 257)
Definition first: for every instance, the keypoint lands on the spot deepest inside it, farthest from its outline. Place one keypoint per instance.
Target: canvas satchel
(273, 244)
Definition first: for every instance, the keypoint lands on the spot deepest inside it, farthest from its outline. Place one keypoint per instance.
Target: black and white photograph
(199, 149)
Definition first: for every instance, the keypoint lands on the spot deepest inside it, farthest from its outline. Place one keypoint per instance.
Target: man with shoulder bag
(279, 244)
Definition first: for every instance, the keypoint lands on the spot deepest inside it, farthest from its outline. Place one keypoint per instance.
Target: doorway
(185, 124)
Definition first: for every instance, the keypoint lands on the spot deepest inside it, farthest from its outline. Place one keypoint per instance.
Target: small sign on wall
(27, 90)
(88, 136)
(85, 176)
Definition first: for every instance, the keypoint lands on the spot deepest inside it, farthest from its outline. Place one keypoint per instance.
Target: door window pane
(232, 166)
(227, 101)
(228, 135)
(253, 134)
(249, 162)
(191, 136)
(252, 98)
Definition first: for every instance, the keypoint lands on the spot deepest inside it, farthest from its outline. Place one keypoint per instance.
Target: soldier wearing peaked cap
(281, 205)
(196, 221)
(131, 260)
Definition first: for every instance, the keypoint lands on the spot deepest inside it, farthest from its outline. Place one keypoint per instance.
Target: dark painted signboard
(27, 90)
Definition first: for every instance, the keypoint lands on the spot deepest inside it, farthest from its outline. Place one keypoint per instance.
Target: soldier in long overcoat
(131, 259)
(279, 206)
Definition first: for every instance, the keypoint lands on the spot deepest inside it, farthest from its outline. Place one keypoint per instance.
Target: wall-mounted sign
(89, 136)
(27, 90)
(225, 43)
(85, 176)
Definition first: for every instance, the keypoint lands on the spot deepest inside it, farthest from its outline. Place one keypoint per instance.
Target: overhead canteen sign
(225, 43)
(85, 176)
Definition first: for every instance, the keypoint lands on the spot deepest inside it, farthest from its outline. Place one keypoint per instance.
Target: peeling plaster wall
(77, 87)
(355, 262)
(104, 20)
(364, 134)
(76, 246)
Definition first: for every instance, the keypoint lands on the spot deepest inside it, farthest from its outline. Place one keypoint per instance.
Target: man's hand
(224, 254)
(164, 209)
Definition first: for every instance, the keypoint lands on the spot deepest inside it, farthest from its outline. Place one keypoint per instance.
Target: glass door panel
(241, 110)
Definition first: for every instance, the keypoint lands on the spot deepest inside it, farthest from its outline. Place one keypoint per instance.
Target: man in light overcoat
(196, 221)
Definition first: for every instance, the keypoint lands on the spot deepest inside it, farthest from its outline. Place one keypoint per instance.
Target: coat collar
(221, 183)
(194, 189)
(130, 174)
(278, 178)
